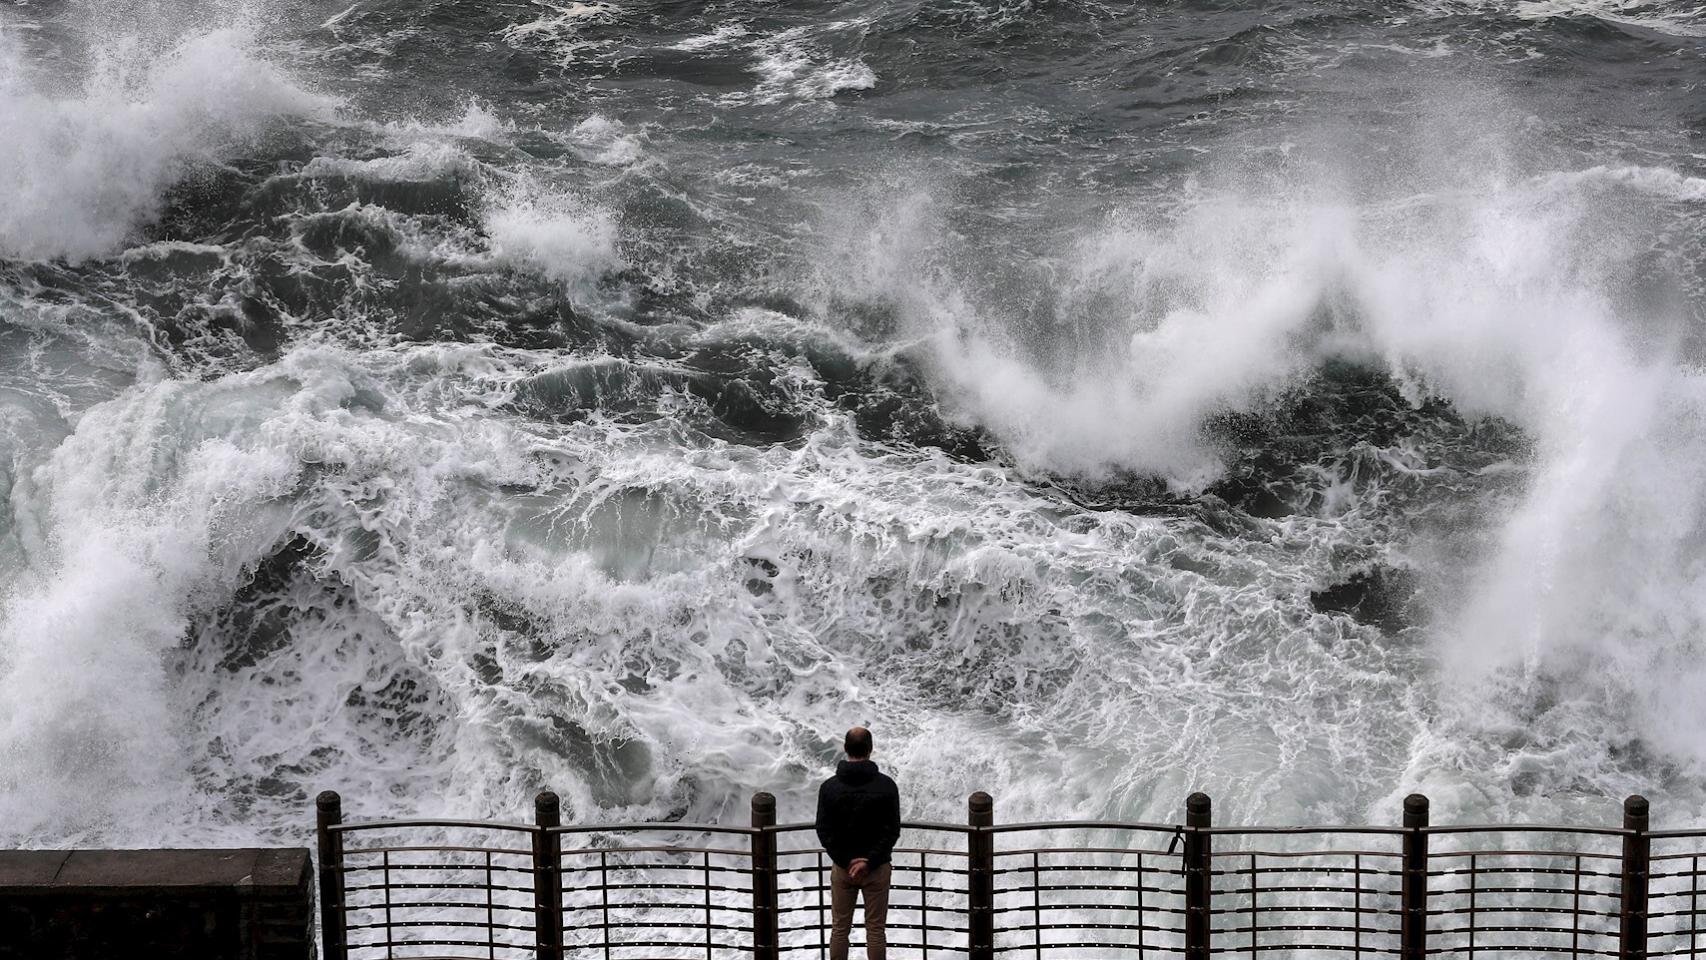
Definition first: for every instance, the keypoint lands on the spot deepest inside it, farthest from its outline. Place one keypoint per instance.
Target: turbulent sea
(1302, 402)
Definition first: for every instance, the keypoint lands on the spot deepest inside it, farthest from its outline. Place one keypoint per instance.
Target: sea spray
(89, 158)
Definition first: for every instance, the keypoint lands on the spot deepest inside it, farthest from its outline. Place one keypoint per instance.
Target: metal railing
(461, 890)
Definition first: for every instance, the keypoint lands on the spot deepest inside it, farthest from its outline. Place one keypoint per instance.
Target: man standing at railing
(858, 823)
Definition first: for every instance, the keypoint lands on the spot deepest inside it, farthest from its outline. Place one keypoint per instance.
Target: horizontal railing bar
(695, 868)
(610, 851)
(660, 886)
(1304, 928)
(430, 868)
(898, 925)
(1233, 869)
(662, 825)
(1329, 830)
(435, 942)
(1463, 890)
(663, 924)
(1288, 888)
(1082, 945)
(1524, 828)
(447, 867)
(1243, 886)
(1478, 929)
(1434, 891)
(804, 893)
(1328, 871)
(1523, 948)
(1111, 888)
(931, 825)
(407, 824)
(1290, 908)
(798, 892)
(1104, 926)
(899, 871)
(1292, 947)
(435, 924)
(380, 867)
(893, 907)
(1118, 851)
(857, 945)
(522, 953)
(458, 905)
(434, 886)
(815, 851)
(1032, 908)
(1082, 868)
(698, 887)
(1553, 891)
(913, 907)
(437, 848)
(904, 825)
(909, 868)
(1561, 910)
(699, 945)
(1309, 946)
(1297, 854)
(1559, 854)
(382, 943)
(1034, 825)
(697, 907)
(717, 888)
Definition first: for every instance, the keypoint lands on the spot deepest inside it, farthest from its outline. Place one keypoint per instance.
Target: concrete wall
(166, 904)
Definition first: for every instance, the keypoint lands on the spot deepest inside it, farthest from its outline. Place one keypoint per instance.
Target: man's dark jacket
(858, 814)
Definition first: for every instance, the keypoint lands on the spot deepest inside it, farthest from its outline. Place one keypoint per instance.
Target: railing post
(1413, 885)
(547, 878)
(980, 876)
(328, 813)
(1637, 852)
(766, 929)
(1199, 878)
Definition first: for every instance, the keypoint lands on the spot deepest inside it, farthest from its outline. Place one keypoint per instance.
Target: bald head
(858, 744)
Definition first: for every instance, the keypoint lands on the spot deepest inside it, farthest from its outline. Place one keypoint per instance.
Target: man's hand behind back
(858, 868)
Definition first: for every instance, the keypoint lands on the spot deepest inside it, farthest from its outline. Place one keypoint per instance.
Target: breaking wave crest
(90, 157)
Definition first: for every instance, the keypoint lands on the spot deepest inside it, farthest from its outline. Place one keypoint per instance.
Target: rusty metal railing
(471, 890)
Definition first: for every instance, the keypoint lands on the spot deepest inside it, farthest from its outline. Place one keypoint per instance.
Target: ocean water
(1302, 402)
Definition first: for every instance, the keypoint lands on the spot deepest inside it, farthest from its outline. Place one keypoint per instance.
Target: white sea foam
(1511, 297)
(671, 626)
(477, 121)
(606, 141)
(418, 162)
(1660, 182)
(1686, 21)
(559, 27)
(558, 235)
(724, 35)
(792, 65)
(83, 169)
(88, 729)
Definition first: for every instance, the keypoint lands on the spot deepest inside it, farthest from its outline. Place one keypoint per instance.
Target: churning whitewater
(438, 401)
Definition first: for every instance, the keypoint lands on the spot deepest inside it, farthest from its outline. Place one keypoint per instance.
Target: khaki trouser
(843, 891)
